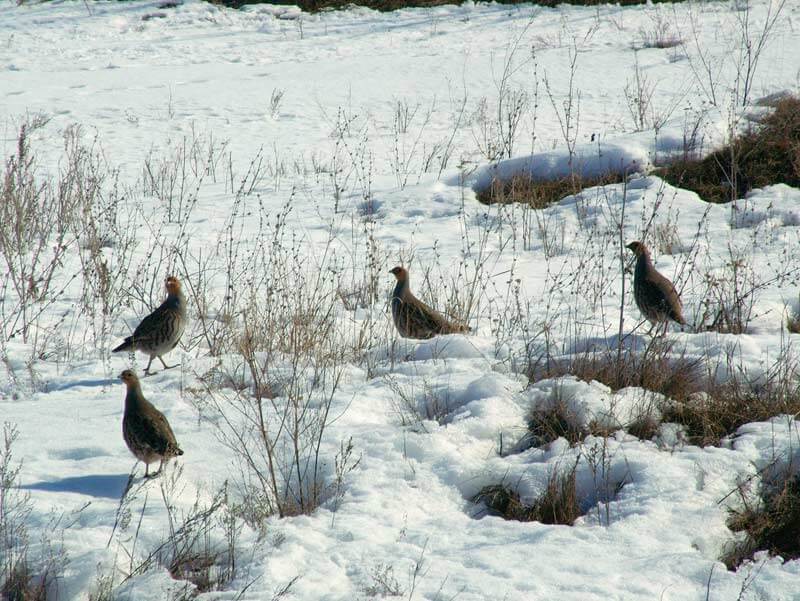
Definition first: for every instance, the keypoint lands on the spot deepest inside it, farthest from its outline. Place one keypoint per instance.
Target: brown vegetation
(767, 153)
(708, 409)
(557, 504)
(770, 524)
(387, 5)
(541, 193)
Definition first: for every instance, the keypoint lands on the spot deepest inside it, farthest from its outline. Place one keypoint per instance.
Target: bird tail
(126, 345)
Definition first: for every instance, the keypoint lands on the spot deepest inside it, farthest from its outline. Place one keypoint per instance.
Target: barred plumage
(654, 294)
(145, 429)
(159, 332)
(415, 319)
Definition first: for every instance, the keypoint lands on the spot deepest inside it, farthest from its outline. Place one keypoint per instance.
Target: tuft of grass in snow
(384, 584)
(708, 409)
(539, 193)
(767, 153)
(793, 324)
(200, 547)
(770, 523)
(557, 504)
(659, 32)
(555, 423)
(656, 369)
(678, 378)
(388, 5)
(26, 574)
(718, 412)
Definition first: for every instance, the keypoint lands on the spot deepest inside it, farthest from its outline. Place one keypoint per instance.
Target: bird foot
(166, 367)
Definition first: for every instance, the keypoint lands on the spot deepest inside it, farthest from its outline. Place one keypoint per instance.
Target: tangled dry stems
(708, 409)
(313, 6)
(770, 523)
(558, 503)
(767, 153)
(541, 193)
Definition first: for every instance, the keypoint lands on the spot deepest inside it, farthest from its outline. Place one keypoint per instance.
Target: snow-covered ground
(367, 135)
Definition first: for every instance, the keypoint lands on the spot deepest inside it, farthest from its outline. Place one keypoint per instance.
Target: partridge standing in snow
(412, 317)
(655, 295)
(145, 429)
(160, 331)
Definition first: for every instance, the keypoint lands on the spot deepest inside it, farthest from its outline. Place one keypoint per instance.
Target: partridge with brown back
(654, 294)
(145, 429)
(415, 319)
(159, 332)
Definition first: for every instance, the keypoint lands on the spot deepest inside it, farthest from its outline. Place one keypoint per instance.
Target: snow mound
(589, 160)
(584, 404)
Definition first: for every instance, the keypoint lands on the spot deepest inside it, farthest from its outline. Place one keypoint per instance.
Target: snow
(431, 421)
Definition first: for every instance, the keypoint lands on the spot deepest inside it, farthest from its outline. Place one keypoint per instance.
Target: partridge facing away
(415, 319)
(655, 295)
(145, 429)
(159, 332)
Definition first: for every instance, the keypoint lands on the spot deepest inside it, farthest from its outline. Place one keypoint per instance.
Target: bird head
(129, 377)
(400, 273)
(172, 284)
(638, 248)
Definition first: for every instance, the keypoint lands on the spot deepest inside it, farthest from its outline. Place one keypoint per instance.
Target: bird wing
(423, 317)
(153, 431)
(151, 324)
(665, 296)
(429, 320)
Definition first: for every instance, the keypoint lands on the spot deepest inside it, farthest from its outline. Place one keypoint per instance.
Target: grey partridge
(415, 319)
(159, 332)
(655, 295)
(145, 429)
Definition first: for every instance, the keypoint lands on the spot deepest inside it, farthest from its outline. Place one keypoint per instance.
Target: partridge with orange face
(159, 332)
(415, 319)
(654, 294)
(145, 429)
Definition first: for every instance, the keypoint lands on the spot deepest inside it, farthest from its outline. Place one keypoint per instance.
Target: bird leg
(155, 473)
(165, 365)
(149, 363)
(146, 470)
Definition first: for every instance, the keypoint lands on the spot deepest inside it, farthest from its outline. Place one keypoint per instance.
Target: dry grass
(770, 524)
(546, 426)
(22, 586)
(388, 5)
(709, 410)
(25, 574)
(657, 369)
(721, 409)
(793, 324)
(539, 193)
(766, 154)
(557, 504)
(644, 428)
